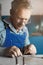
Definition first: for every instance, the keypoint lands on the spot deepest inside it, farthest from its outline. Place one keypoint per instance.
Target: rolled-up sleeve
(2, 33)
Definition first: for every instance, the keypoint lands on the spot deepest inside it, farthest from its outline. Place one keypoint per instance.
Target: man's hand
(12, 51)
(30, 49)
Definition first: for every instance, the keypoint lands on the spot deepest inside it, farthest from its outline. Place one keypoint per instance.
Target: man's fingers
(18, 52)
(13, 51)
(31, 49)
(14, 54)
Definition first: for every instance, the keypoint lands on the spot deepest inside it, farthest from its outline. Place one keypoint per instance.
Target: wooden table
(28, 60)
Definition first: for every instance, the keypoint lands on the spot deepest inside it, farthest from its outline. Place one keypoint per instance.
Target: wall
(37, 7)
(6, 5)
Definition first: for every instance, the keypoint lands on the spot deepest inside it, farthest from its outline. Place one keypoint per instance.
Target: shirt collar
(7, 21)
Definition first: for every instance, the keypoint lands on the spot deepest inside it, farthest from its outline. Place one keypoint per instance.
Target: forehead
(23, 13)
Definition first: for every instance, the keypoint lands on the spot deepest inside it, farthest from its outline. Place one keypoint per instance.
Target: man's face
(20, 17)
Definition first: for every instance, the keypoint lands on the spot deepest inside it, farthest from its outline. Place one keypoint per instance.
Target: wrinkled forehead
(24, 13)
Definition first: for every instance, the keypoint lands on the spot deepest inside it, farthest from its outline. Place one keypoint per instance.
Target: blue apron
(13, 39)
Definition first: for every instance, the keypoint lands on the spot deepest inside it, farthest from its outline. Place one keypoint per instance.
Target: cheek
(18, 20)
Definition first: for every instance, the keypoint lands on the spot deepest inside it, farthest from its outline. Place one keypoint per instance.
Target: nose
(23, 23)
(23, 20)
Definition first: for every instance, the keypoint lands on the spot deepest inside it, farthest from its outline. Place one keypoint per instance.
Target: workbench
(22, 60)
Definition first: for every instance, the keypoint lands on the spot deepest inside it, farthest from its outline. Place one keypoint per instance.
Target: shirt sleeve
(2, 33)
(27, 41)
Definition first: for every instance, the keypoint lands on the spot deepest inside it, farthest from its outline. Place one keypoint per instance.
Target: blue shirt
(3, 32)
